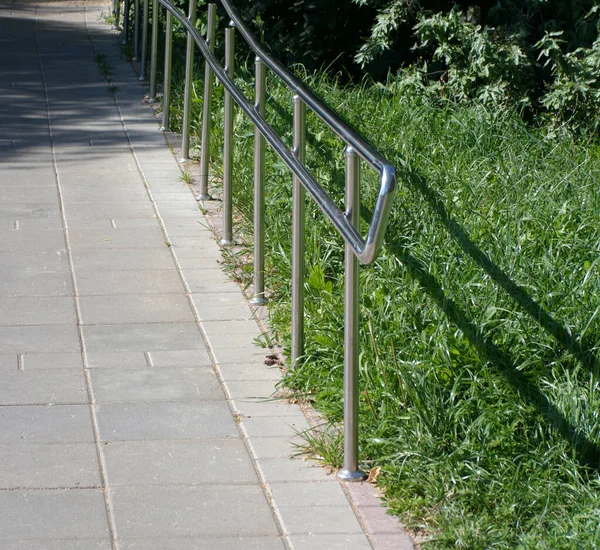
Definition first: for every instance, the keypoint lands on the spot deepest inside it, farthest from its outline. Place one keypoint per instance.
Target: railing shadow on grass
(586, 451)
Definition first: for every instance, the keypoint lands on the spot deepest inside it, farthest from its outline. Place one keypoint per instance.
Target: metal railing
(357, 247)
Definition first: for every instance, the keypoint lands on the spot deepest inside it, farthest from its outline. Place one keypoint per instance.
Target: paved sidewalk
(134, 407)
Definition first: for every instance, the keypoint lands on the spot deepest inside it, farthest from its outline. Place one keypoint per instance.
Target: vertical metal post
(228, 141)
(187, 101)
(116, 13)
(144, 41)
(153, 52)
(298, 206)
(350, 471)
(125, 36)
(259, 189)
(206, 107)
(166, 106)
(136, 30)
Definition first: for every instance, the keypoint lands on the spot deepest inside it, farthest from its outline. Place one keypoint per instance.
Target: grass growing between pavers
(480, 323)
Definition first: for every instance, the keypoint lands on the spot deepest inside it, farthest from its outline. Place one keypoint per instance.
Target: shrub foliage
(541, 56)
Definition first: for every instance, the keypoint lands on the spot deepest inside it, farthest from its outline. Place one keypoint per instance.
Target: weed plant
(480, 325)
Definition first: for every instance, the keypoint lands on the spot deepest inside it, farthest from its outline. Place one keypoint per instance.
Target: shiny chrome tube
(298, 220)
(125, 33)
(206, 106)
(144, 41)
(259, 188)
(166, 106)
(350, 471)
(228, 141)
(153, 52)
(189, 73)
(136, 30)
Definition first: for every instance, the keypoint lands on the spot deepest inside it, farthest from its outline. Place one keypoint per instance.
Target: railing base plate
(351, 476)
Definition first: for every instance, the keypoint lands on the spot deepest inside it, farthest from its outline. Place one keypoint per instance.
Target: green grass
(480, 320)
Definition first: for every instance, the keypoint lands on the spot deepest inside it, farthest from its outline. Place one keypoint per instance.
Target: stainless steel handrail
(366, 250)
(346, 222)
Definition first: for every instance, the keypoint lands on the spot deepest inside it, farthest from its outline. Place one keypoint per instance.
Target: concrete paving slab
(228, 328)
(277, 447)
(49, 466)
(38, 310)
(293, 469)
(256, 390)
(117, 360)
(317, 493)
(165, 420)
(81, 544)
(209, 461)
(27, 209)
(85, 179)
(240, 354)
(32, 178)
(154, 337)
(275, 426)
(194, 243)
(205, 280)
(224, 510)
(47, 195)
(210, 255)
(135, 308)
(179, 358)
(46, 424)
(170, 209)
(29, 361)
(99, 193)
(108, 210)
(156, 384)
(278, 410)
(173, 195)
(42, 387)
(92, 283)
(339, 541)
(133, 237)
(251, 370)
(135, 222)
(47, 515)
(145, 359)
(123, 260)
(34, 361)
(23, 238)
(396, 541)
(321, 519)
(38, 339)
(204, 543)
(50, 261)
(197, 231)
(35, 284)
